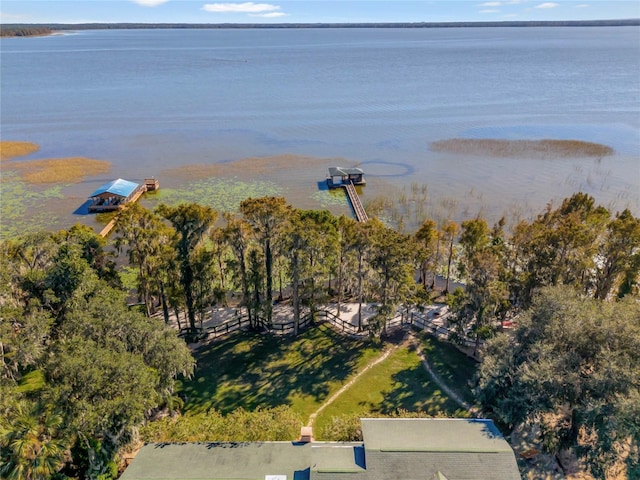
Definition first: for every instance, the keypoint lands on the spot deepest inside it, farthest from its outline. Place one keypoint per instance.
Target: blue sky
(309, 11)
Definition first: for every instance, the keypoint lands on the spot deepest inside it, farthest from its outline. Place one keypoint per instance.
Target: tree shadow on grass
(250, 370)
(414, 390)
(451, 365)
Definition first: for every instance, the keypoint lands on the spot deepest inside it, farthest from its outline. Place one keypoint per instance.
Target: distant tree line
(10, 29)
(24, 31)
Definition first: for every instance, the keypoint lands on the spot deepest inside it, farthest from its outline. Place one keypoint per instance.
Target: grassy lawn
(452, 366)
(399, 382)
(252, 370)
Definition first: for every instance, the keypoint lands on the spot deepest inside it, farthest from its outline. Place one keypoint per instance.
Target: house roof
(344, 171)
(432, 435)
(220, 461)
(417, 448)
(120, 187)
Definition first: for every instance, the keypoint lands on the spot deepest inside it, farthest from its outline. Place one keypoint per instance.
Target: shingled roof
(416, 448)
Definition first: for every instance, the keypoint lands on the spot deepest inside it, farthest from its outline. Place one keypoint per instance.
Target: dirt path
(348, 385)
(413, 340)
(450, 393)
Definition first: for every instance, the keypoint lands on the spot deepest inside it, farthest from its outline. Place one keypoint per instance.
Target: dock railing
(354, 198)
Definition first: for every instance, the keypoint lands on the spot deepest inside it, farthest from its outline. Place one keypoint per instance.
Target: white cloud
(247, 7)
(9, 17)
(547, 5)
(510, 15)
(491, 4)
(269, 15)
(489, 11)
(149, 3)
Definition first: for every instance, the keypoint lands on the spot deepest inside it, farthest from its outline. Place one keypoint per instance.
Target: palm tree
(32, 447)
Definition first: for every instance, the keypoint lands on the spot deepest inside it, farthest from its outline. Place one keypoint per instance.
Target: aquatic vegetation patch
(522, 148)
(17, 200)
(58, 170)
(16, 149)
(222, 194)
(284, 166)
(328, 198)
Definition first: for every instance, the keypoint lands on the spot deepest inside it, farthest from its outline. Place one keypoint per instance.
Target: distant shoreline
(39, 29)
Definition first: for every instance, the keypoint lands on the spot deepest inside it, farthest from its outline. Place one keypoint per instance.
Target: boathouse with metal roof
(114, 195)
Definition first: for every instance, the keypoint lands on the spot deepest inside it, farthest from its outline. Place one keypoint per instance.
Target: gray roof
(458, 449)
(120, 187)
(220, 461)
(403, 449)
(344, 171)
(336, 458)
(432, 435)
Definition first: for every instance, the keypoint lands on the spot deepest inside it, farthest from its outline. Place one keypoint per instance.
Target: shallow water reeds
(546, 148)
(9, 149)
(58, 170)
(254, 167)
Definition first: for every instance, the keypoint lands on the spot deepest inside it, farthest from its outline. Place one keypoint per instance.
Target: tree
(192, 223)
(391, 254)
(559, 247)
(618, 254)
(426, 238)
(578, 359)
(310, 241)
(147, 240)
(236, 235)
(109, 367)
(266, 215)
(449, 232)
(486, 295)
(32, 443)
(346, 230)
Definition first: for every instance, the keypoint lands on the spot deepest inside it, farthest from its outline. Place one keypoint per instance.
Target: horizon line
(604, 22)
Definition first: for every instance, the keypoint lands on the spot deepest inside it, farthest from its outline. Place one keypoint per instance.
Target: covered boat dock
(341, 176)
(114, 195)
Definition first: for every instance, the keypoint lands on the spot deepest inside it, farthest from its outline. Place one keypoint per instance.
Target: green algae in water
(18, 200)
(222, 194)
(329, 198)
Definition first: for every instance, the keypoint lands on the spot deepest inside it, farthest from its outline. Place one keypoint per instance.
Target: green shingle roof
(432, 435)
(402, 449)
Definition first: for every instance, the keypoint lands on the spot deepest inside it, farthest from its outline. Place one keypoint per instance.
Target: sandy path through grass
(348, 385)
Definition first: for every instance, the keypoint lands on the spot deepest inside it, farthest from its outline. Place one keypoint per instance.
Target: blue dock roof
(120, 187)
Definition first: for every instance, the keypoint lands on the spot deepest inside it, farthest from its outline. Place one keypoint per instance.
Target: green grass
(400, 382)
(451, 365)
(256, 370)
(32, 382)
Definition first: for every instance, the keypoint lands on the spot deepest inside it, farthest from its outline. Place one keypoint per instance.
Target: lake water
(150, 100)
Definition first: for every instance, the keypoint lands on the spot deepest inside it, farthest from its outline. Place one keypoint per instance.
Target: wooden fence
(241, 322)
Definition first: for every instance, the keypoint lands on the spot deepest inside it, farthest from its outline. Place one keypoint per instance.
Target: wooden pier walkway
(354, 198)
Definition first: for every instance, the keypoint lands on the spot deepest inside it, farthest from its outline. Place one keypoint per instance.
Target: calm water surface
(148, 100)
